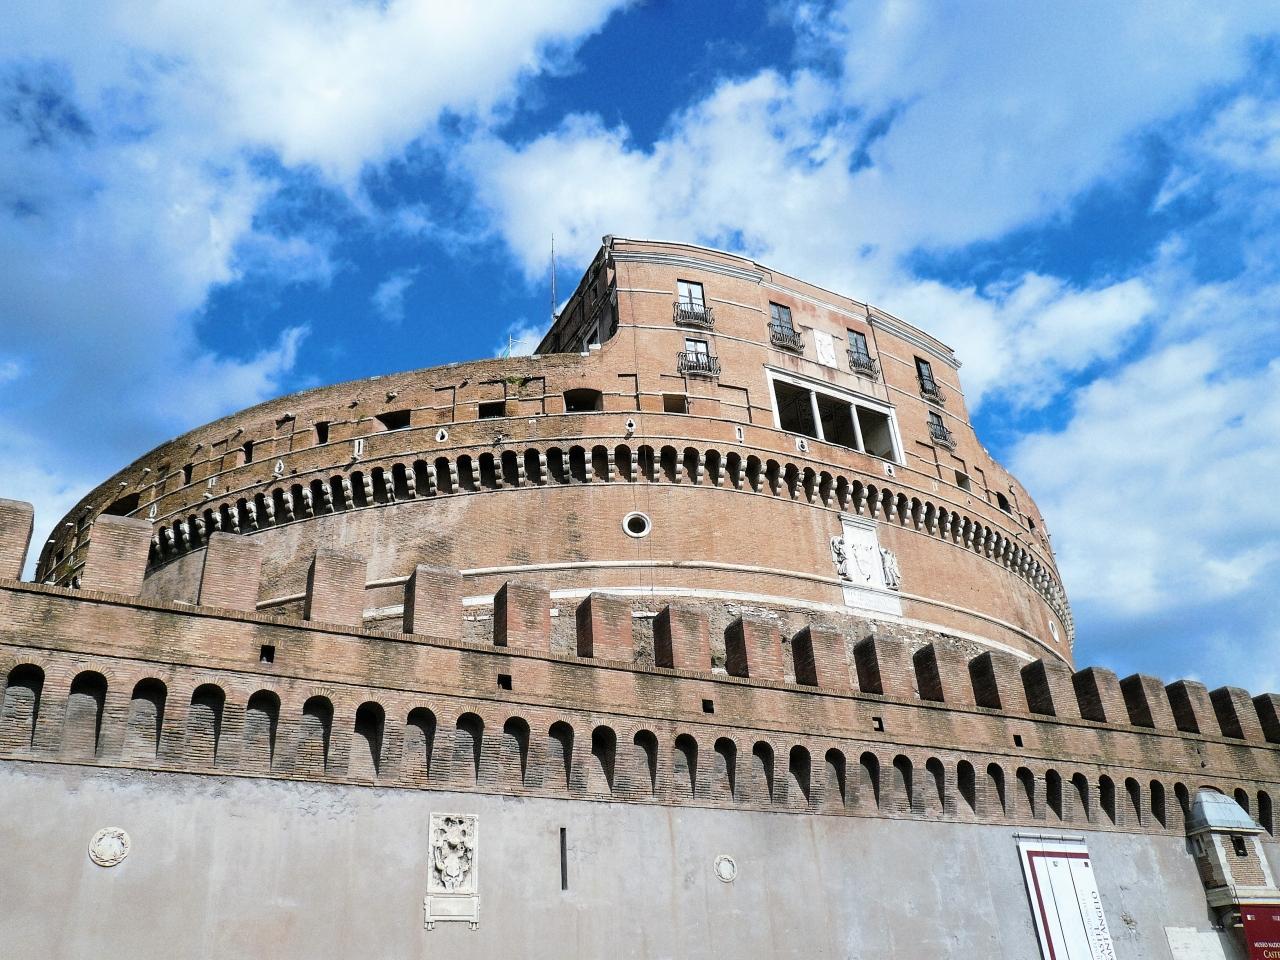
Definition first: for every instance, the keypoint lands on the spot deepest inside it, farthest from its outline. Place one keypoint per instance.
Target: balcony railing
(697, 364)
(863, 365)
(930, 390)
(686, 313)
(942, 436)
(785, 337)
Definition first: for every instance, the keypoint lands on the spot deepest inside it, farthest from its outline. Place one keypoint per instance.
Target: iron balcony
(930, 390)
(942, 436)
(686, 313)
(862, 364)
(785, 337)
(697, 364)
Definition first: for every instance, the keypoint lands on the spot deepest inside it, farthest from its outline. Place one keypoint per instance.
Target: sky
(206, 205)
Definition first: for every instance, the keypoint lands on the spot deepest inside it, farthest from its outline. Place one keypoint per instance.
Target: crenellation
(1147, 702)
(1099, 695)
(116, 561)
(335, 589)
(17, 520)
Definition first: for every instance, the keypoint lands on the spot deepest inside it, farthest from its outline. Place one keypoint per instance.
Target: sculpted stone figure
(452, 852)
(892, 572)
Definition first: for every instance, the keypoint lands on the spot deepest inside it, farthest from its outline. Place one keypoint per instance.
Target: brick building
(710, 627)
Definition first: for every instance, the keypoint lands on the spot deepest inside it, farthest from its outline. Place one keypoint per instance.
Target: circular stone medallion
(726, 869)
(109, 846)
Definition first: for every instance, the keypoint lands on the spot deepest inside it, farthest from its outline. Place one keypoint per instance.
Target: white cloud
(139, 148)
(388, 297)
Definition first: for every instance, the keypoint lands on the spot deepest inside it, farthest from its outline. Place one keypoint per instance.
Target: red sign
(1261, 930)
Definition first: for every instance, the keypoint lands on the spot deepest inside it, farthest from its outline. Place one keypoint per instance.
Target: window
(835, 418)
(675, 403)
(929, 388)
(322, 431)
(593, 338)
(267, 654)
(780, 318)
(696, 346)
(493, 409)
(394, 419)
(504, 681)
(697, 359)
(583, 400)
(690, 295)
(1003, 502)
(938, 431)
(858, 344)
(187, 471)
(1238, 845)
(962, 480)
(708, 706)
(247, 448)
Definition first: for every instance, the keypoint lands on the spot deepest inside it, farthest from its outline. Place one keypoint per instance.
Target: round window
(637, 524)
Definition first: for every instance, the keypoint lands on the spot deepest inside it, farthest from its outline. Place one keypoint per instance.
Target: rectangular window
(928, 386)
(935, 423)
(962, 481)
(837, 421)
(675, 403)
(858, 344)
(322, 431)
(247, 447)
(696, 346)
(493, 409)
(690, 294)
(780, 318)
(187, 471)
(877, 435)
(795, 409)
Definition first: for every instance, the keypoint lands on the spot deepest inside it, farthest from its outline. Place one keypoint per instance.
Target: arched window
(583, 400)
(82, 729)
(1027, 797)
(21, 706)
(1135, 800)
(724, 775)
(966, 783)
(869, 781)
(513, 755)
(762, 772)
(1081, 784)
(468, 746)
(902, 776)
(204, 724)
(146, 717)
(559, 773)
(995, 790)
(313, 735)
(604, 751)
(1053, 793)
(684, 773)
(645, 762)
(833, 787)
(799, 773)
(1107, 797)
(1157, 803)
(419, 741)
(366, 745)
(261, 721)
(938, 777)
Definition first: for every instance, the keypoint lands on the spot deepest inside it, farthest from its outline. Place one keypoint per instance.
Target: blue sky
(205, 206)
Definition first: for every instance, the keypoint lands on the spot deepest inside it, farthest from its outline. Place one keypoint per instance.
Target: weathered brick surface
(117, 557)
(16, 521)
(682, 638)
(1099, 695)
(232, 572)
(1147, 702)
(604, 629)
(433, 602)
(753, 649)
(522, 617)
(335, 589)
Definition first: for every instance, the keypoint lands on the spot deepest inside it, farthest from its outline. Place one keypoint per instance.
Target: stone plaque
(453, 890)
(868, 572)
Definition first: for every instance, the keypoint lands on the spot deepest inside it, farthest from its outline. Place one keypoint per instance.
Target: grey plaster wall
(238, 868)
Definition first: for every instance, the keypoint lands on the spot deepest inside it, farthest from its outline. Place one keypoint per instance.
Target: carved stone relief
(869, 573)
(453, 891)
(109, 846)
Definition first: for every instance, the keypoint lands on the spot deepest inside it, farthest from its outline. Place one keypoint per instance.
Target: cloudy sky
(205, 205)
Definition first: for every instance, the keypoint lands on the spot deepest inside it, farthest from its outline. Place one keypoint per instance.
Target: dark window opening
(924, 370)
(187, 471)
(564, 859)
(1003, 502)
(962, 481)
(708, 706)
(322, 431)
(247, 447)
(837, 421)
(877, 724)
(858, 344)
(493, 409)
(795, 409)
(1017, 739)
(675, 403)
(877, 437)
(583, 400)
(394, 419)
(123, 507)
(504, 681)
(267, 654)
(1238, 845)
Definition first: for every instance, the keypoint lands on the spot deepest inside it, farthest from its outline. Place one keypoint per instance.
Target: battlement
(810, 720)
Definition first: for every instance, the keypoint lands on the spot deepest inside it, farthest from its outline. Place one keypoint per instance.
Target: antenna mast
(554, 301)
